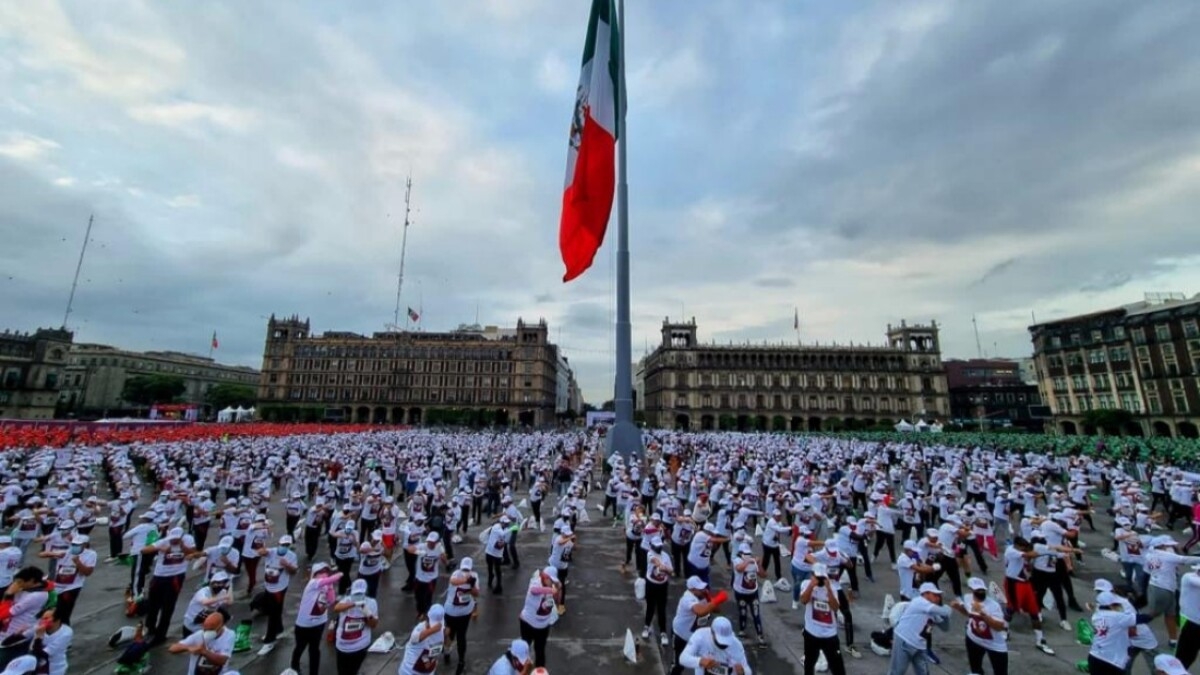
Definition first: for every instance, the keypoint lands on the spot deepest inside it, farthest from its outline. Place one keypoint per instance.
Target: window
(1056, 342)
(1139, 336)
(1097, 336)
(1190, 329)
(1078, 382)
(1083, 403)
(1100, 380)
(1123, 379)
(1063, 405)
(1104, 401)
(1074, 359)
(1162, 332)
(1118, 354)
(1154, 404)
(1060, 384)
(1076, 338)
(1131, 403)
(1096, 356)
(1054, 361)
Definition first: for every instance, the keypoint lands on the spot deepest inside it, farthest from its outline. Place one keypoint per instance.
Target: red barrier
(59, 433)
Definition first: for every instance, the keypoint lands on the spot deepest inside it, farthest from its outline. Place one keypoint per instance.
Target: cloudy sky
(863, 162)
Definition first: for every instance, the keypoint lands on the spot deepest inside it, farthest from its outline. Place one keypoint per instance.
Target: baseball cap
(220, 577)
(320, 567)
(1102, 585)
(80, 539)
(929, 588)
(1169, 665)
(1106, 599)
(977, 584)
(359, 586)
(22, 665)
(696, 584)
(520, 650)
(722, 632)
(285, 540)
(909, 544)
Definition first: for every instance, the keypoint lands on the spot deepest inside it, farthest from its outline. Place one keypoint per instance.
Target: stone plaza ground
(600, 607)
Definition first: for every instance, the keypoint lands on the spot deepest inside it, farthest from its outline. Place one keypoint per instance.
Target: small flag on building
(413, 316)
(796, 323)
(214, 343)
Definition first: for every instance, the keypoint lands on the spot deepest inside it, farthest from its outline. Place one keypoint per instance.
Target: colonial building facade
(96, 376)
(986, 393)
(690, 385)
(471, 375)
(1143, 358)
(31, 372)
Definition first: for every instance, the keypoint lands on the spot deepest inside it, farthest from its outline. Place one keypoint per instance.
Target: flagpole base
(625, 439)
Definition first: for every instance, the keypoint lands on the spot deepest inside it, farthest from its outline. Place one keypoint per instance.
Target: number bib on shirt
(717, 669)
(821, 612)
(64, 575)
(352, 628)
(546, 606)
(271, 575)
(462, 597)
(979, 628)
(750, 581)
(658, 576)
(206, 667)
(428, 564)
(173, 556)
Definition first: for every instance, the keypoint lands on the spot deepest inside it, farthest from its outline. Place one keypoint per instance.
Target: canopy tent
(903, 425)
(226, 415)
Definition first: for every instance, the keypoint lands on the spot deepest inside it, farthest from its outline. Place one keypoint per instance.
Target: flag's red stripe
(588, 201)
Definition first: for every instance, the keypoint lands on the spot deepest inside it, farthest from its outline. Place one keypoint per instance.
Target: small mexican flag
(591, 175)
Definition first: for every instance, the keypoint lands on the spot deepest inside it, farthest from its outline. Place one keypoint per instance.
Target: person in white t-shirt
(170, 565)
(1111, 622)
(462, 595)
(537, 614)
(50, 639)
(715, 650)
(821, 607)
(987, 631)
(425, 644)
(279, 564)
(312, 615)
(10, 560)
(514, 661)
(431, 557)
(357, 616)
(210, 649)
(74, 566)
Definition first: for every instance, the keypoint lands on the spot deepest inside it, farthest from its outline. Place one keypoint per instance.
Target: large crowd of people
(713, 523)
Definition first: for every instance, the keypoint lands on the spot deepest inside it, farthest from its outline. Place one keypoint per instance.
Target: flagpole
(626, 438)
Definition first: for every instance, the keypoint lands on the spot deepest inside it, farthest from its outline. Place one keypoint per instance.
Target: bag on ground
(639, 589)
(766, 594)
(383, 644)
(630, 648)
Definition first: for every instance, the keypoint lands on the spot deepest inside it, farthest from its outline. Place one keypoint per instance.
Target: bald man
(210, 648)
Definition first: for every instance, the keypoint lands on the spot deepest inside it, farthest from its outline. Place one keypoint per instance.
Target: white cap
(929, 588)
(520, 650)
(1169, 665)
(359, 586)
(977, 584)
(22, 665)
(696, 584)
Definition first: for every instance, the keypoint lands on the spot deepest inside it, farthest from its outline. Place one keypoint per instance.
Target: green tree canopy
(1111, 420)
(151, 389)
(230, 395)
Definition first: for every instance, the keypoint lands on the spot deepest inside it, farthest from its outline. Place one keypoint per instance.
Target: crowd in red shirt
(57, 435)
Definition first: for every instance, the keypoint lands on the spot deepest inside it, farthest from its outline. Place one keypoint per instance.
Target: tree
(151, 389)
(229, 395)
(608, 406)
(1110, 420)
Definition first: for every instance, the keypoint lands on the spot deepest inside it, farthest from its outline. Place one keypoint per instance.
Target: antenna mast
(403, 247)
(978, 347)
(79, 266)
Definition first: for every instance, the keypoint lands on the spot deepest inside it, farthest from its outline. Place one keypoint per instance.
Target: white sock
(1038, 635)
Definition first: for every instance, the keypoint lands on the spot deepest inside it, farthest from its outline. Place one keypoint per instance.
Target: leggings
(888, 538)
(1194, 540)
(350, 663)
(536, 637)
(975, 654)
(747, 603)
(458, 626)
(1043, 581)
(656, 605)
(494, 566)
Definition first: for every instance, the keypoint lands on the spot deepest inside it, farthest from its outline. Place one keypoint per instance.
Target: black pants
(975, 654)
(308, 637)
(679, 645)
(888, 538)
(563, 573)
(66, 604)
(312, 539)
(1064, 580)
(139, 572)
(372, 583)
(656, 605)
(537, 511)
(116, 542)
(272, 606)
(678, 556)
(344, 566)
(1189, 643)
(1043, 581)
(494, 567)
(350, 663)
(423, 593)
(814, 646)
(949, 568)
(410, 563)
(160, 605)
(536, 637)
(973, 544)
(200, 534)
(1101, 667)
(458, 626)
(771, 553)
(847, 617)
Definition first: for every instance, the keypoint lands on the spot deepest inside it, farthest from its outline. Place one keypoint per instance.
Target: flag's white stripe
(600, 90)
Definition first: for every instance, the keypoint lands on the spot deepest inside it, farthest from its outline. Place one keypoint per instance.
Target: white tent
(251, 414)
(241, 414)
(935, 428)
(903, 425)
(922, 426)
(225, 415)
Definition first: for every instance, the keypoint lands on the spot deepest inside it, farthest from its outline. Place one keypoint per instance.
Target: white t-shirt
(55, 645)
(1110, 639)
(428, 562)
(10, 562)
(222, 644)
(172, 557)
(1189, 596)
(979, 632)
(538, 607)
(353, 632)
(654, 575)
(196, 612)
(459, 600)
(819, 618)
(67, 576)
(701, 645)
(314, 604)
(497, 539)
(421, 656)
(686, 621)
(275, 575)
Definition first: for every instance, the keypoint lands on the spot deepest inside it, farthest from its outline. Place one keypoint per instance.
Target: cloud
(183, 115)
(26, 147)
(554, 76)
(184, 202)
(774, 282)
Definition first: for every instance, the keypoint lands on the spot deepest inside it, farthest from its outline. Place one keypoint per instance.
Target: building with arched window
(692, 385)
(31, 372)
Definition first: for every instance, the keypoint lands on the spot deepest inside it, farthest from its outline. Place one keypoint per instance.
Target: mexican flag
(591, 175)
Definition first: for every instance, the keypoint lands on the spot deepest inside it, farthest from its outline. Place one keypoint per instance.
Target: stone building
(1143, 358)
(31, 372)
(692, 385)
(471, 375)
(987, 393)
(96, 376)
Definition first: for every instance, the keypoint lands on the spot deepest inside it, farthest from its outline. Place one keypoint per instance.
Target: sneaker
(893, 567)
(795, 604)
(853, 651)
(880, 650)
(933, 658)
(1045, 648)
(1064, 625)
(741, 633)
(762, 641)
(662, 639)
(646, 633)
(267, 648)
